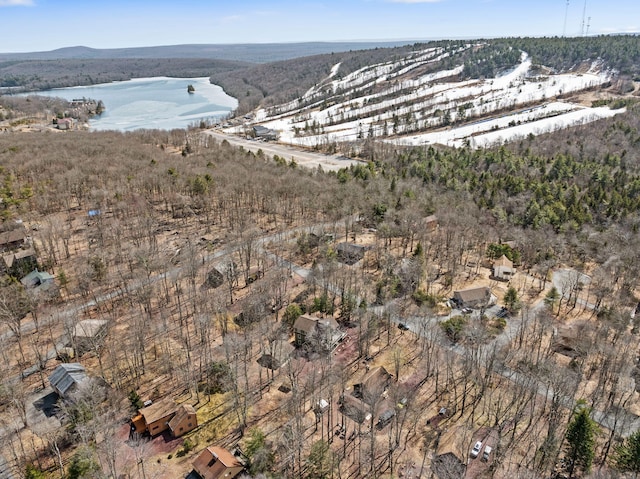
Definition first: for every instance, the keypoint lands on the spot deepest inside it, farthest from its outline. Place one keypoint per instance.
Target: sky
(42, 25)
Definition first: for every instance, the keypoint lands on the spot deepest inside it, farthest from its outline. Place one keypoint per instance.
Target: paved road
(305, 158)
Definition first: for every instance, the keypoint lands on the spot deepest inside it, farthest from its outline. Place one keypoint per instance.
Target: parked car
(476, 449)
(485, 454)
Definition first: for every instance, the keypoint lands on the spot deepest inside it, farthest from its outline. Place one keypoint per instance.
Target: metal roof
(66, 376)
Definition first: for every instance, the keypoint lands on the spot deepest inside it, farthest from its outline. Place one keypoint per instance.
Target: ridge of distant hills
(249, 52)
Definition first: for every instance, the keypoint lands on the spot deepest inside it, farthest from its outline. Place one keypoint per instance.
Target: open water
(152, 103)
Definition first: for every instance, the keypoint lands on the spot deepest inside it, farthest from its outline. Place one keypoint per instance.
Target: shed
(217, 462)
(184, 420)
(66, 378)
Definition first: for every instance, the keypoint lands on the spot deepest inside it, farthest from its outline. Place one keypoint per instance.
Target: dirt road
(307, 159)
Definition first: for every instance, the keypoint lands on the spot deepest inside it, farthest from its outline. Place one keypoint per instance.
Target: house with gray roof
(66, 378)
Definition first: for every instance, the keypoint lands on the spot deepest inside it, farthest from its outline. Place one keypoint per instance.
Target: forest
(200, 259)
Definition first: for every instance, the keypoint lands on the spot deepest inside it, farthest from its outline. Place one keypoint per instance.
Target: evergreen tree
(511, 300)
(581, 439)
(320, 460)
(627, 455)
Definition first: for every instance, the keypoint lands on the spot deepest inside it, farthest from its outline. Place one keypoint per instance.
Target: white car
(476, 449)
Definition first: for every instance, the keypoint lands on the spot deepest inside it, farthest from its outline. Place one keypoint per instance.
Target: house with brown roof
(217, 463)
(13, 239)
(165, 414)
(373, 385)
(88, 334)
(431, 223)
(475, 297)
(19, 263)
(350, 253)
(503, 269)
(184, 420)
(450, 457)
(318, 333)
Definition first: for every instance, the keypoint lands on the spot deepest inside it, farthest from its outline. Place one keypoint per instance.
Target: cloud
(16, 3)
(415, 1)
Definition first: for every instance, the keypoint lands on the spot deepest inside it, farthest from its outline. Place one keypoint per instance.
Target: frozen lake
(152, 103)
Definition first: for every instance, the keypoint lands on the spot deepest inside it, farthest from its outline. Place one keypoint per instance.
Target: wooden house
(318, 333)
(13, 239)
(184, 420)
(217, 463)
(165, 414)
(155, 418)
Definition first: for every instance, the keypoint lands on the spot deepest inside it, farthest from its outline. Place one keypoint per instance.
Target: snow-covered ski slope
(414, 101)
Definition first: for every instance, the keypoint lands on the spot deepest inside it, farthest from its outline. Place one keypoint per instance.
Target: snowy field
(411, 102)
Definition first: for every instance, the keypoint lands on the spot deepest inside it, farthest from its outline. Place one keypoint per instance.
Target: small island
(190, 89)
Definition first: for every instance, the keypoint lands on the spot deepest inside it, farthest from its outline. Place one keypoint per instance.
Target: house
(503, 269)
(474, 297)
(431, 223)
(165, 414)
(350, 253)
(450, 457)
(373, 385)
(321, 332)
(13, 239)
(37, 278)
(65, 123)
(354, 408)
(155, 418)
(88, 333)
(67, 377)
(184, 420)
(217, 463)
(265, 133)
(277, 355)
(41, 284)
(18, 263)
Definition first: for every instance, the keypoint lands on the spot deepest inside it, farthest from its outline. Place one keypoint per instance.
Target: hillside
(481, 92)
(252, 52)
